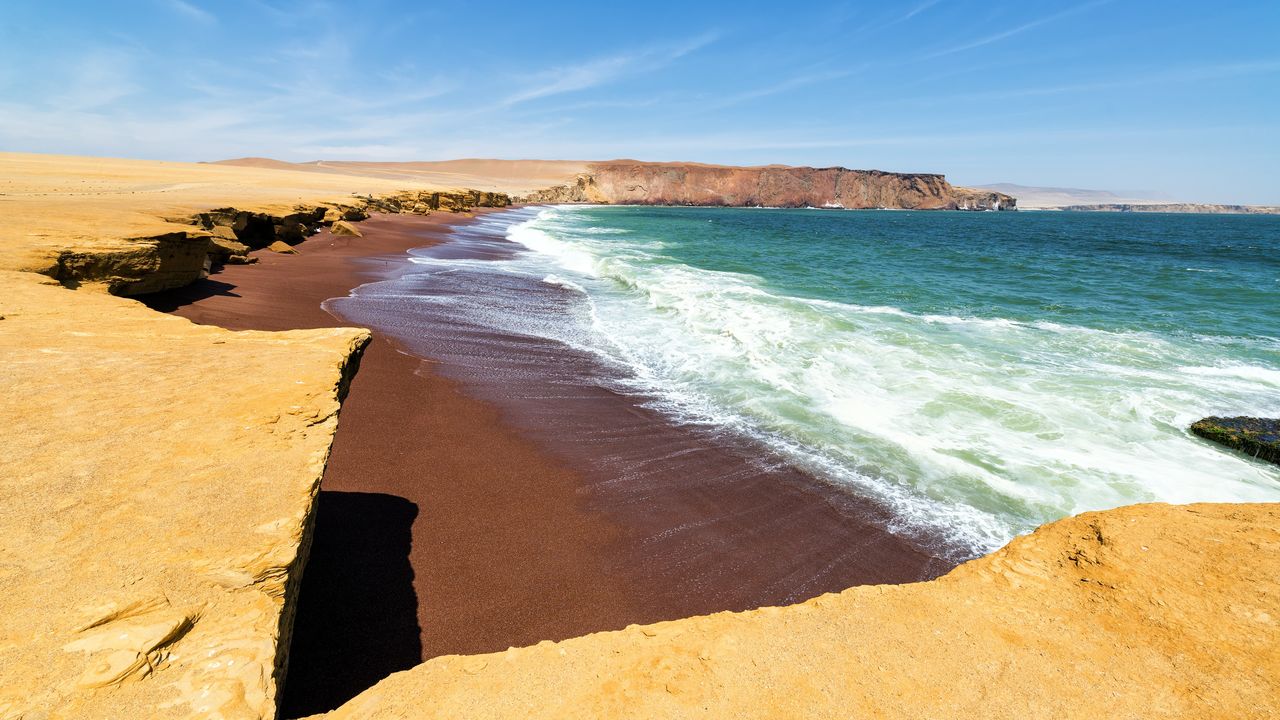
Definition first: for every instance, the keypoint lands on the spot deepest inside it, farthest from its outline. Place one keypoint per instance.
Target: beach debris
(342, 227)
(282, 247)
(1259, 437)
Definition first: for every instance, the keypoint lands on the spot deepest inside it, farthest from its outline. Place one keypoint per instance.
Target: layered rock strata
(227, 235)
(676, 183)
(642, 183)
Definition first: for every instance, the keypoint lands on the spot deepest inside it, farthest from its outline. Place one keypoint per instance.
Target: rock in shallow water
(1259, 437)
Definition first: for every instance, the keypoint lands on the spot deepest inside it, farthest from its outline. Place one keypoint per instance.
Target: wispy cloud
(593, 73)
(1005, 34)
(97, 79)
(578, 77)
(803, 79)
(191, 11)
(917, 10)
(1118, 79)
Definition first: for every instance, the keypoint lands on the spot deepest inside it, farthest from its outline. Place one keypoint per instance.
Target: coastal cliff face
(677, 183)
(223, 235)
(640, 183)
(155, 505)
(158, 485)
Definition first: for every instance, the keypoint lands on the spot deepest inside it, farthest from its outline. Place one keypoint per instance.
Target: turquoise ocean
(979, 373)
(974, 375)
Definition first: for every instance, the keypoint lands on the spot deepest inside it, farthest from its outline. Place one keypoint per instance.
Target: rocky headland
(158, 489)
(632, 182)
(628, 182)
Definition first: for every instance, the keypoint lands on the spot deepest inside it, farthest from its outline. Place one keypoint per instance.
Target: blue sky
(1178, 98)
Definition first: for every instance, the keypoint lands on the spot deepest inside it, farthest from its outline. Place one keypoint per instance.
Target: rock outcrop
(342, 227)
(642, 183)
(1259, 437)
(1149, 611)
(233, 233)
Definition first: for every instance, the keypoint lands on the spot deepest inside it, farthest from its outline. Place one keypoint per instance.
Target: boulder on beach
(1259, 437)
(342, 227)
(224, 231)
(223, 250)
(283, 247)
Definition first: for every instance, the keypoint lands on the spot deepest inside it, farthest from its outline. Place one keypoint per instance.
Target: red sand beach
(449, 523)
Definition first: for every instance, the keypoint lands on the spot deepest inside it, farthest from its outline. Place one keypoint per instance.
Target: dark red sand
(447, 526)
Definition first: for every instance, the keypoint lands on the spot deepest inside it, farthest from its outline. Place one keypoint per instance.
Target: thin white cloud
(97, 79)
(917, 10)
(801, 80)
(569, 79)
(594, 73)
(997, 37)
(191, 11)
(1115, 80)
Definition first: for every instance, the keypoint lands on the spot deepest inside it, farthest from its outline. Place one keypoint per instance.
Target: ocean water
(978, 374)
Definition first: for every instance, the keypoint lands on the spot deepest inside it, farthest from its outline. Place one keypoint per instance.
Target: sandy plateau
(159, 479)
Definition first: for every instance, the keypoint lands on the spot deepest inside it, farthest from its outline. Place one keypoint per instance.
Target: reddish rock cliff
(643, 183)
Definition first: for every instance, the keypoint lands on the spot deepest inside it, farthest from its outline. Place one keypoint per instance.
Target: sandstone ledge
(1144, 611)
(155, 496)
(158, 479)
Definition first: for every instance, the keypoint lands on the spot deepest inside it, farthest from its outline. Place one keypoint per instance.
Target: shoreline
(162, 490)
(489, 534)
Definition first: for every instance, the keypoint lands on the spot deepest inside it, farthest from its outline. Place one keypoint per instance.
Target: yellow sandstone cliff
(158, 479)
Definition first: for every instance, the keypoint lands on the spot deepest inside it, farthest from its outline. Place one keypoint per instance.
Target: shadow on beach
(167, 301)
(357, 616)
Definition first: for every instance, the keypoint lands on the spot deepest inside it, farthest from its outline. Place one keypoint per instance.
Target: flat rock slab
(1259, 437)
(155, 493)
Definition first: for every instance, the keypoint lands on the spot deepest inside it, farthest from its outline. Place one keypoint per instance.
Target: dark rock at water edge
(1259, 437)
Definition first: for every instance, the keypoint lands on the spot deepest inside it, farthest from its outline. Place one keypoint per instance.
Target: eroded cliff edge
(158, 479)
(629, 182)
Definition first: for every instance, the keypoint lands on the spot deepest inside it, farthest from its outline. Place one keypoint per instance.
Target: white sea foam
(975, 426)
(1251, 373)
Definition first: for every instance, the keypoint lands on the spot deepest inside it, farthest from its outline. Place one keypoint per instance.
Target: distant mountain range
(1079, 200)
(1033, 198)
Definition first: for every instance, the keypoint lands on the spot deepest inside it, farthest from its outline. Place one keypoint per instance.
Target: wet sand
(467, 507)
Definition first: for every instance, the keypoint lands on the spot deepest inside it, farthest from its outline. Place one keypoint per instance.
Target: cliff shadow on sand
(357, 618)
(167, 301)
